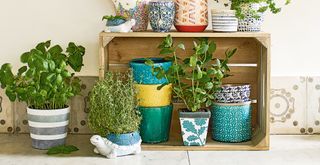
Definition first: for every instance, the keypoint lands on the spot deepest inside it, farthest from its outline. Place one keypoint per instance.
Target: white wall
(27, 22)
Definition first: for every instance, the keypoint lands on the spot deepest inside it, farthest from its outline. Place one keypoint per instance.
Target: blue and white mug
(161, 14)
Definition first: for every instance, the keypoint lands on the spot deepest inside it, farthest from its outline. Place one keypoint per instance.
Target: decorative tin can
(134, 9)
(231, 122)
(232, 93)
(191, 15)
(161, 14)
(150, 96)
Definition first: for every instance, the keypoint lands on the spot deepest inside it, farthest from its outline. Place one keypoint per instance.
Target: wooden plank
(187, 35)
(122, 50)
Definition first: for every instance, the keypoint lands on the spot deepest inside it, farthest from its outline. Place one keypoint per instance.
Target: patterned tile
(288, 105)
(313, 105)
(6, 114)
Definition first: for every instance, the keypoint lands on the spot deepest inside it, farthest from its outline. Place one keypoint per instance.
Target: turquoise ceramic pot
(231, 122)
(155, 124)
(142, 73)
(125, 139)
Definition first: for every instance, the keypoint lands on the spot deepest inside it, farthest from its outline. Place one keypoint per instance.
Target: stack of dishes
(224, 20)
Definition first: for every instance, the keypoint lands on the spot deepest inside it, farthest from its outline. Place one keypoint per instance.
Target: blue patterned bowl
(142, 73)
(231, 122)
(125, 139)
(233, 94)
(161, 14)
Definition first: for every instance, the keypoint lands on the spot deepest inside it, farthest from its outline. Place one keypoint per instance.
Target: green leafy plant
(62, 150)
(111, 17)
(269, 4)
(197, 77)
(113, 105)
(44, 81)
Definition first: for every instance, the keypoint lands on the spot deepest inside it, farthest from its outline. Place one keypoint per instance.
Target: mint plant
(197, 77)
(44, 82)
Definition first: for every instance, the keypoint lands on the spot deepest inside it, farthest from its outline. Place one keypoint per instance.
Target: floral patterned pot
(161, 14)
(251, 23)
(231, 122)
(155, 124)
(134, 9)
(125, 139)
(194, 127)
(142, 72)
(191, 15)
(233, 94)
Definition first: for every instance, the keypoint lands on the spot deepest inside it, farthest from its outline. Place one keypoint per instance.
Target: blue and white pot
(142, 73)
(231, 122)
(48, 128)
(161, 14)
(250, 23)
(127, 139)
(194, 127)
(233, 94)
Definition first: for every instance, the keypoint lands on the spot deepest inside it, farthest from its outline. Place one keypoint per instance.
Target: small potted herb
(118, 23)
(46, 85)
(250, 12)
(113, 109)
(194, 79)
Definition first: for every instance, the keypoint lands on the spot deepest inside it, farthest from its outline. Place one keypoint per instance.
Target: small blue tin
(231, 122)
(142, 73)
(161, 14)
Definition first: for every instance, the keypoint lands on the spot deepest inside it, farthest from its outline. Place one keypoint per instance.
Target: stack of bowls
(154, 104)
(224, 20)
(231, 114)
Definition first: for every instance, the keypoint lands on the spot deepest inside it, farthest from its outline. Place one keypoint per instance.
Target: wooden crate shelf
(250, 65)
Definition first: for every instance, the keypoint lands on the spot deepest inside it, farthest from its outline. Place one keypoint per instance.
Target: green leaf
(181, 46)
(193, 61)
(22, 70)
(75, 56)
(24, 58)
(209, 85)
(212, 48)
(43, 46)
(55, 50)
(62, 150)
(166, 51)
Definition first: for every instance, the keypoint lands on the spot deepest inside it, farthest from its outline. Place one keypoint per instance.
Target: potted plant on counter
(194, 79)
(250, 12)
(113, 110)
(46, 85)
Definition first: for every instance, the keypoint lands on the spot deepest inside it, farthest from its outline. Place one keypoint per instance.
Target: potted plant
(46, 85)
(194, 79)
(113, 109)
(118, 24)
(250, 12)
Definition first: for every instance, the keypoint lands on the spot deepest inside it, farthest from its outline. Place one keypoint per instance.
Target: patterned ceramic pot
(150, 96)
(125, 139)
(251, 23)
(233, 94)
(231, 122)
(161, 14)
(48, 128)
(134, 9)
(142, 73)
(155, 124)
(191, 15)
(194, 127)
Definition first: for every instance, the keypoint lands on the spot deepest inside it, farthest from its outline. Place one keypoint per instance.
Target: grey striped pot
(48, 128)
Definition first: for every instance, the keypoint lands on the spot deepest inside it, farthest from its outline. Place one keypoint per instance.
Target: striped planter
(48, 128)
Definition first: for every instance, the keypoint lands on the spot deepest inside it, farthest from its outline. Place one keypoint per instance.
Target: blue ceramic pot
(115, 22)
(231, 122)
(125, 139)
(161, 14)
(142, 73)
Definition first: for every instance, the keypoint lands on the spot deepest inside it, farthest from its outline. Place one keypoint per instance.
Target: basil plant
(44, 82)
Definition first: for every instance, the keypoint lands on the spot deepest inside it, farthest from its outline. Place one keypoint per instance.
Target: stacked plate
(224, 20)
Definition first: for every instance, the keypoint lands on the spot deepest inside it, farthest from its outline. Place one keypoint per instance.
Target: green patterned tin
(231, 122)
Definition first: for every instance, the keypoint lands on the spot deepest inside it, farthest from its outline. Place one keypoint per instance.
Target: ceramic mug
(161, 14)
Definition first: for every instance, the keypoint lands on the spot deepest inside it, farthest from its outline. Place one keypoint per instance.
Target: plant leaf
(62, 150)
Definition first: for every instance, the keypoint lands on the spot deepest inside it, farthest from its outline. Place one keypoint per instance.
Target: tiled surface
(288, 105)
(6, 116)
(285, 149)
(313, 105)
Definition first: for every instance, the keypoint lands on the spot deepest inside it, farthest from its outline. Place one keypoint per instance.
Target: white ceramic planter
(48, 128)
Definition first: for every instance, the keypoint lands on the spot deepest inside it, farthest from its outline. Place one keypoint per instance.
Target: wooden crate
(250, 65)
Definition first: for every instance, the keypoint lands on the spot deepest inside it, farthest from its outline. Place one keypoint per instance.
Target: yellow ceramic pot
(150, 96)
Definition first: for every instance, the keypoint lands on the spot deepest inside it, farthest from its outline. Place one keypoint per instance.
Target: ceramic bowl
(142, 73)
(233, 94)
(150, 96)
(231, 122)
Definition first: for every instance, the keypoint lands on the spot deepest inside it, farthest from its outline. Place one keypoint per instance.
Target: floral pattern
(161, 15)
(194, 131)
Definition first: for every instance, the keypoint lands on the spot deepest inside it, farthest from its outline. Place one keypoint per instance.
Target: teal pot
(231, 122)
(142, 73)
(125, 139)
(194, 127)
(155, 124)
(48, 128)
